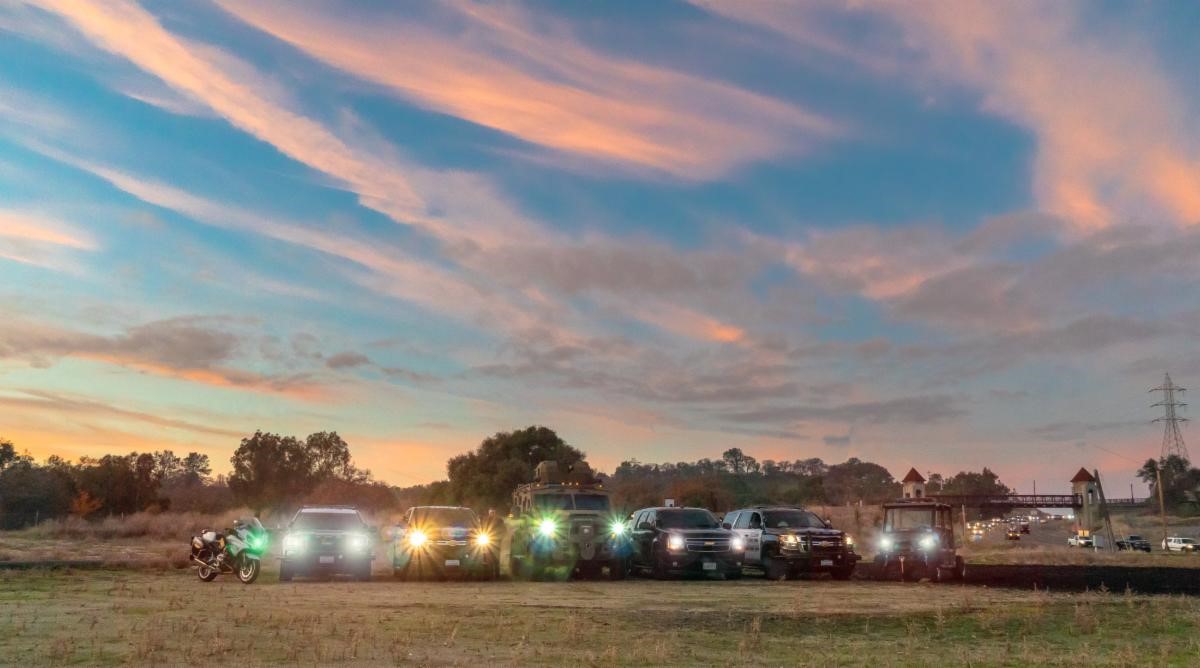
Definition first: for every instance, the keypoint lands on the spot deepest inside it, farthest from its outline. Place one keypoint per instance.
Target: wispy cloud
(498, 67)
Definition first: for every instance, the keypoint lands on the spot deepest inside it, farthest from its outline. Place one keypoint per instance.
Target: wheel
(735, 574)
(206, 574)
(842, 573)
(248, 570)
(658, 571)
(285, 572)
(775, 569)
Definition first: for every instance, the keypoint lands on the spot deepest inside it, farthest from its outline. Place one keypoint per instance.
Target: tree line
(276, 472)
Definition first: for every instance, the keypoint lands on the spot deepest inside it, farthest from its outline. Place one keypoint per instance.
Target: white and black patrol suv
(786, 541)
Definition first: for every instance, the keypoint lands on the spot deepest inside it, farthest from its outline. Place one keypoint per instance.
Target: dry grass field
(106, 617)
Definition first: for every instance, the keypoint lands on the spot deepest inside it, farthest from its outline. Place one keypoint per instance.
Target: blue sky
(945, 236)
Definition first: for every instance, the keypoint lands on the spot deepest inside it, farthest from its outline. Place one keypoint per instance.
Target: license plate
(710, 566)
(325, 560)
(452, 562)
(827, 562)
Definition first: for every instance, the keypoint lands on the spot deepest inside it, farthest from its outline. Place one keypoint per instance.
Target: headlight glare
(886, 543)
(928, 542)
(675, 543)
(293, 543)
(849, 540)
(737, 544)
(617, 528)
(417, 538)
(356, 542)
(547, 527)
(482, 539)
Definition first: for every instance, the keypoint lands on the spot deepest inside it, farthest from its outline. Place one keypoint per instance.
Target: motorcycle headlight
(257, 542)
(417, 538)
(737, 544)
(675, 543)
(482, 539)
(928, 542)
(886, 543)
(547, 527)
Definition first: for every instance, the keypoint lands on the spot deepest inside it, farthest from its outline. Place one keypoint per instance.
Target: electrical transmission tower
(1172, 438)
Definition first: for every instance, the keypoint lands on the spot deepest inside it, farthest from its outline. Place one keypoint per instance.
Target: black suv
(1133, 543)
(683, 540)
(327, 540)
(785, 541)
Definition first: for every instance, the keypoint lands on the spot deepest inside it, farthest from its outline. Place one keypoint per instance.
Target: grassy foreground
(169, 617)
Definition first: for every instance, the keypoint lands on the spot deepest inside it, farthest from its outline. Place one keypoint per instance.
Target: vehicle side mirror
(726, 525)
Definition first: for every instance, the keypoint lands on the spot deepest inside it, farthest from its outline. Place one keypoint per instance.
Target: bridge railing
(1012, 500)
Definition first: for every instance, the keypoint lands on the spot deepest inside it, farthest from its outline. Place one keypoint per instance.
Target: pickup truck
(1080, 541)
(1133, 542)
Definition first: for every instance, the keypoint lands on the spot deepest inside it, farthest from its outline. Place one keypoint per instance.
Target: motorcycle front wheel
(206, 574)
(248, 570)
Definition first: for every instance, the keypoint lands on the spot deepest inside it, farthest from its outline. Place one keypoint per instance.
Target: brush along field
(168, 617)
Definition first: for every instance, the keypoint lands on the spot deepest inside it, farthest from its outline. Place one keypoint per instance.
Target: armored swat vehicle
(562, 523)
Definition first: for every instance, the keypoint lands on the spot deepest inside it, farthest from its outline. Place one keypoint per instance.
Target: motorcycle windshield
(253, 525)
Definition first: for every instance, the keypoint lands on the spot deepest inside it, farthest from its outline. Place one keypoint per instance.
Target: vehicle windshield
(545, 502)
(1135, 538)
(907, 519)
(688, 519)
(319, 521)
(252, 524)
(445, 517)
(591, 502)
(792, 519)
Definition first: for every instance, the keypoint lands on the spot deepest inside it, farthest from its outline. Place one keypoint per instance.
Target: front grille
(583, 530)
(825, 544)
(707, 545)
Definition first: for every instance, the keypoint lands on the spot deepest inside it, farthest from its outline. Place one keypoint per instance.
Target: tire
(843, 573)
(775, 569)
(248, 570)
(285, 572)
(206, 574)
(735, 574)
(658, 571)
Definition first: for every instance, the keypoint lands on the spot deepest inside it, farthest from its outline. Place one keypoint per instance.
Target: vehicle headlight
(257, 542)
(482, 539)
(293, 543)
(356, 542)
(788, 538)
(737, 544)
(417, 538)
(547, 528)
(928, 542)
(886, 543)
(617, 528)
(675, 543)
(849, 540)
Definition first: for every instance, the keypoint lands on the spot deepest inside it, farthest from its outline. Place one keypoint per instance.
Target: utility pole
(1108, 530)
(1162, 509)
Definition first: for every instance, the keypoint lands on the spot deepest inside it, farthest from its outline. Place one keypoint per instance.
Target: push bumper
(701, 563)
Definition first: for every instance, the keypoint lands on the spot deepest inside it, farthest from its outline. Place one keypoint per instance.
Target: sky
(941, 235)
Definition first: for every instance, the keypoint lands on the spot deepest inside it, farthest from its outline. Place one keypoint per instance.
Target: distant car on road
(1080, 541)
(1180, 544)
(1012, 534)
(1133, 542)
(327, 540)
(1025, 528)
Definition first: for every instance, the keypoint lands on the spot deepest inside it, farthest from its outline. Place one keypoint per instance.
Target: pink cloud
(545, 87)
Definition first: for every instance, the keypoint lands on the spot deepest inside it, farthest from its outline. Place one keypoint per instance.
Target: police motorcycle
(238, 550)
